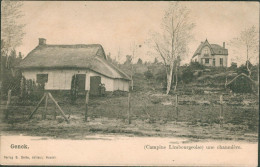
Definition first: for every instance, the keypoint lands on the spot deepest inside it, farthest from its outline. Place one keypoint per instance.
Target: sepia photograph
(129, 83)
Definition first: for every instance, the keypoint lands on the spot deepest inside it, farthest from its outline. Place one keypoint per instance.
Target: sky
(119, 25)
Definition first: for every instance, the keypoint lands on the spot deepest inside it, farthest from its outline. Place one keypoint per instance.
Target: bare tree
(133, 48)
(247, 45)
(172, 43)
(11, 30)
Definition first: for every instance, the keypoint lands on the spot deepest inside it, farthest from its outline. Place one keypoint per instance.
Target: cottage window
(42, 78)
(214, 62)
(206, 61)
(221, 61)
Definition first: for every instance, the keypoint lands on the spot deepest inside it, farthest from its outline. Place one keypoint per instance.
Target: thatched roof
(241, 83)
(90, 57)
(241, 75)
(215, 49)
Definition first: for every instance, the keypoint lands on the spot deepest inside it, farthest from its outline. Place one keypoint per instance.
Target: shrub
(242, 69)
(196, 66)
(233, 66)
(187, 75)
(148, 74)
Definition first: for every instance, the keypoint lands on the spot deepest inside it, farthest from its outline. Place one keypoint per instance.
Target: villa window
(214, 62)
(206, 52)
(221, 61)
(206, 61)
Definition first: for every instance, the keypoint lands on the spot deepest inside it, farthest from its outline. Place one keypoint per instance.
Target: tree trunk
(249, 71)
(2, 78)
(247, 62)
(169, 79)
(176, 79)
(132, 81)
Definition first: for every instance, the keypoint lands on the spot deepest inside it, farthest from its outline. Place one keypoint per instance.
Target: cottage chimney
(42, 41)
(224, 45)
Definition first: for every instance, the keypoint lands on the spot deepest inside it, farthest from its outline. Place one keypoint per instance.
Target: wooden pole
(22, 87)
(54, 114)
(62, 113)
(38, 105)
(86, 109)
(45, 108)
(7, 104)
(129, 108)
(221, 114)
(176, 107)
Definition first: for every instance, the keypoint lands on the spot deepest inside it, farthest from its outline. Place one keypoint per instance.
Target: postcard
(129, 83)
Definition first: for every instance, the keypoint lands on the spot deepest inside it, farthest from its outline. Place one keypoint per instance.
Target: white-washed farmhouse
(211, 54)
(57, 64)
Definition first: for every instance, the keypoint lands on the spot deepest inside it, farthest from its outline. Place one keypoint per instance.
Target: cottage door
(81, 83)
(95, 82)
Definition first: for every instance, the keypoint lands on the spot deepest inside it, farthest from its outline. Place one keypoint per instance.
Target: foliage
(10, 76)
(12, 31)
(148, 74)
(140, 61)
(128, 60)
(196, 66)
(233, 65)
(189, 72)
(243, 69)
(187, 75)
(29, 90)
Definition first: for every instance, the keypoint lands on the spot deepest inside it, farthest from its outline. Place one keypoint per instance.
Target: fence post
(221, 114)
(7, 104)
(22, 87)
(129, 107)
(38, 105)
(55, 113)
(45, 108)
(56, 103)
(86, 109)
(176, 107)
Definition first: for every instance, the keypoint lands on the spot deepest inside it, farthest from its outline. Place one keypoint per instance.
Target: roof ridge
(72, 45)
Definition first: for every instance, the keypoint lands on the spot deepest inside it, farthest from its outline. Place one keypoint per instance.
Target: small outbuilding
(241, 84)
(57, 66)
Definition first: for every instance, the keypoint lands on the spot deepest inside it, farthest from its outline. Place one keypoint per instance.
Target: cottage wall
(120, 84)
(109, 83)
(61, 79)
